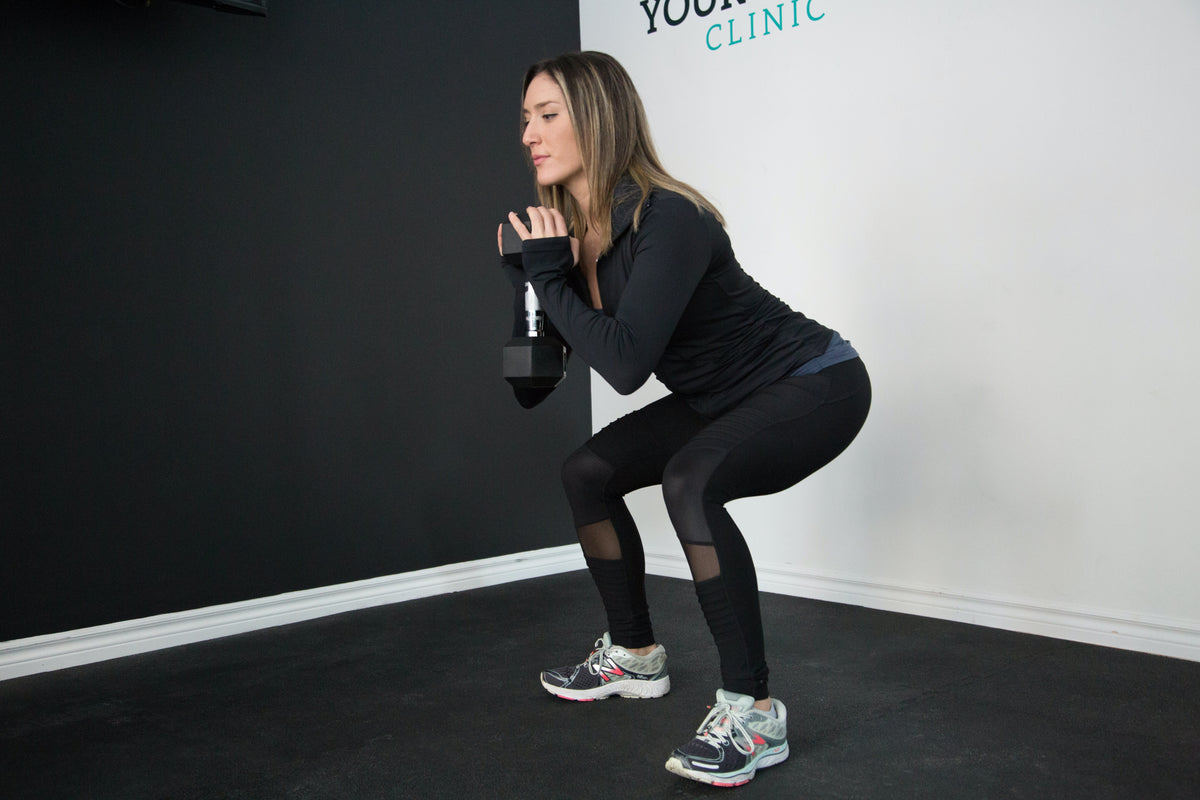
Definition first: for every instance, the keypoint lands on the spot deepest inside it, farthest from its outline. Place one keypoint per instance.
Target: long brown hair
(613, 139)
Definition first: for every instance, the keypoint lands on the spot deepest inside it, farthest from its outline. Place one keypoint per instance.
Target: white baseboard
(1174, 638)
(1166, 637)
(89, 645)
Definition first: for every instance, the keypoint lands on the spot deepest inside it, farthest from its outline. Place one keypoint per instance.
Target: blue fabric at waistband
(839, 350)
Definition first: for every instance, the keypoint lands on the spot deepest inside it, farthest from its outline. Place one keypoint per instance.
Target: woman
(636, 274)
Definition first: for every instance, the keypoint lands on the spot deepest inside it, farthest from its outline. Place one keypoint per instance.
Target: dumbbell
(535, 360)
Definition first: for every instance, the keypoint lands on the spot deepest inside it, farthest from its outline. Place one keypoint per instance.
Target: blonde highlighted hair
(613, 138)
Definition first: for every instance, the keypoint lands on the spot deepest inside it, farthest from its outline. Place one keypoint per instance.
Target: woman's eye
(549, 117)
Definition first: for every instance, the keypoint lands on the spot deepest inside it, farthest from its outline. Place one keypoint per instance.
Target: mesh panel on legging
(599, 540)
(702, 560)
(611, 546)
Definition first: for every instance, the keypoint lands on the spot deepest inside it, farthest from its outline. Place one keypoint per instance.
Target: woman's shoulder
(661, 210)
(669, 205)
(675, 221)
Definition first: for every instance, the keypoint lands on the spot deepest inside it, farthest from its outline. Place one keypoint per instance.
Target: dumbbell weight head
(534, 362)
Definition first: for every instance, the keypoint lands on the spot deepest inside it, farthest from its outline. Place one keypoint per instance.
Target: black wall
(250, 310)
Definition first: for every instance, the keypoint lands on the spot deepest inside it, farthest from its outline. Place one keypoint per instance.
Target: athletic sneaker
(611, 669)
(734, 741)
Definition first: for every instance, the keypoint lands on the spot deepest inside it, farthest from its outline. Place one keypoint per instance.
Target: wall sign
(736, 26)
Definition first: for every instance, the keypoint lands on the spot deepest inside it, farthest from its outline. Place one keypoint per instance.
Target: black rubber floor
(439, 698)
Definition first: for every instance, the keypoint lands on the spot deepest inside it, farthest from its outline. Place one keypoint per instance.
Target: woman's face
(550, 137)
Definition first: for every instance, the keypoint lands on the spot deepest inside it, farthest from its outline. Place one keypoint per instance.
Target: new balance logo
(610, 670)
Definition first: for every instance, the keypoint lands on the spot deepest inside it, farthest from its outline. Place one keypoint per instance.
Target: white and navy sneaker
(609, 670)
(734, 742)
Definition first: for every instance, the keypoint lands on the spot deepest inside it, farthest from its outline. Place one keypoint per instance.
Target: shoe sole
(769, 758)
(640, 690)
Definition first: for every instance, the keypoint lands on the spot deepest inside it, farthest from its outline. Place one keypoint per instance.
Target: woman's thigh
(638, 445)
(779, 435)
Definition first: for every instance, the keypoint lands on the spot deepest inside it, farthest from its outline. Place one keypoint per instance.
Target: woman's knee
(684, 487)
(585, 476)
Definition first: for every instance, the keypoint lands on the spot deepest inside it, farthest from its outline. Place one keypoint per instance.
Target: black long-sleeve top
(676, 304)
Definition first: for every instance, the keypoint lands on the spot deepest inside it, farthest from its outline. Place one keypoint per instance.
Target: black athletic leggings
(776, 437)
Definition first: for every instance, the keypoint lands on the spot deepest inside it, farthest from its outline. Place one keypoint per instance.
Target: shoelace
(725, 725)
(593, 659)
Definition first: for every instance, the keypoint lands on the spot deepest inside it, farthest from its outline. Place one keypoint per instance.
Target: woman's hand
(544, 223)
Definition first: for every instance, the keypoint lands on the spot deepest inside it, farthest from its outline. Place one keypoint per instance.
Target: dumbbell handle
(535, 319)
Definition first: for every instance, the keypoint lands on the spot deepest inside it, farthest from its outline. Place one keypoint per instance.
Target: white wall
(999, 205)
